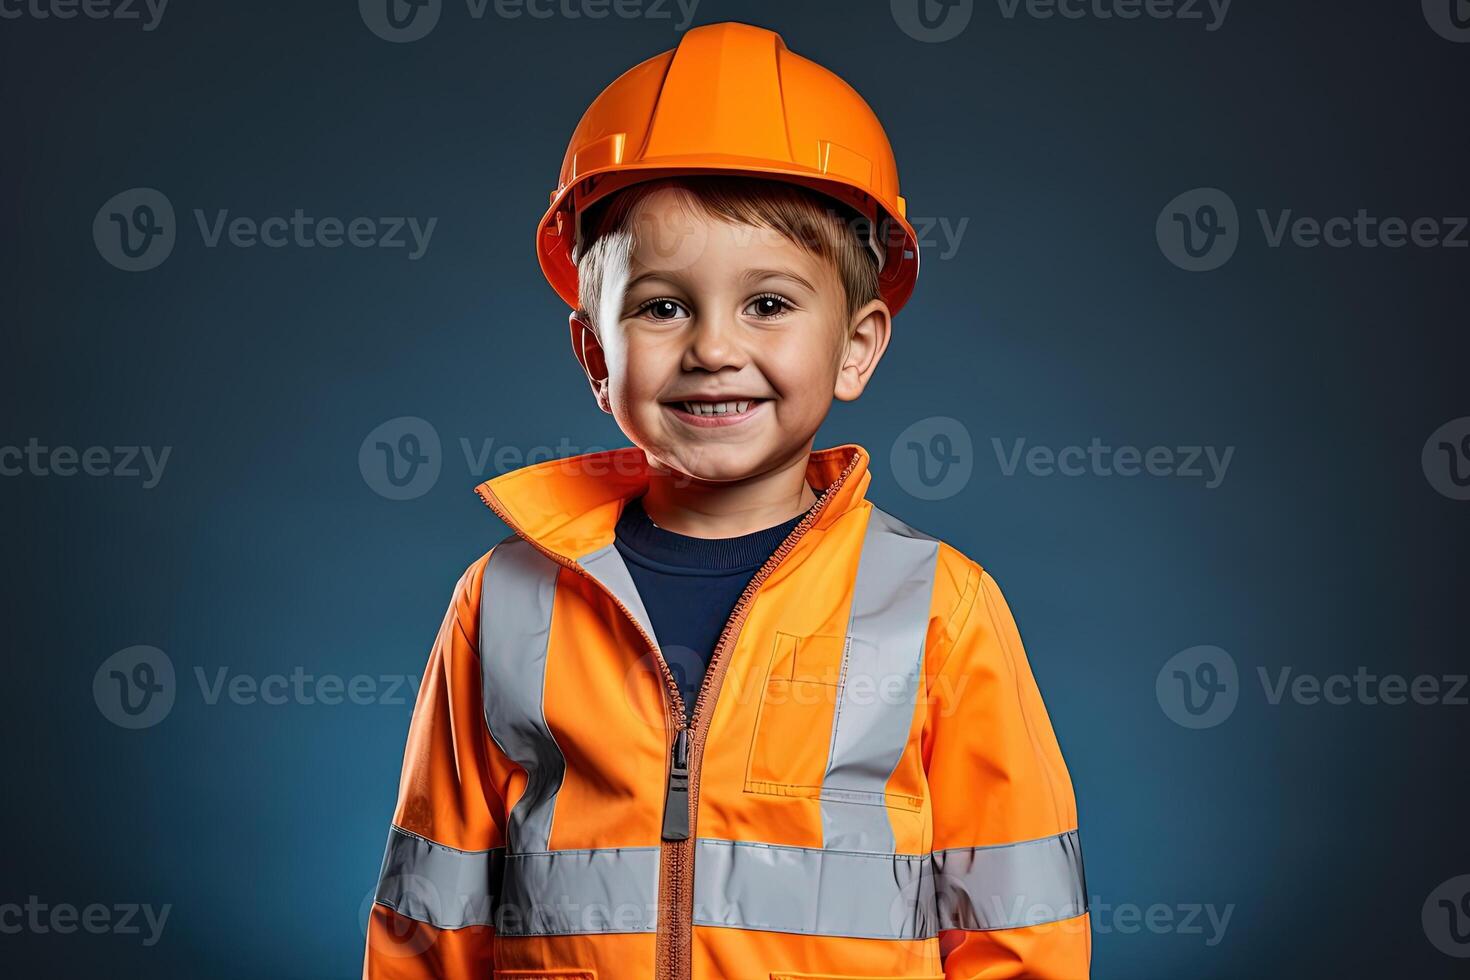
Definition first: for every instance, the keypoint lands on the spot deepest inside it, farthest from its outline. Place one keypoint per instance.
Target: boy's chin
(710, 463)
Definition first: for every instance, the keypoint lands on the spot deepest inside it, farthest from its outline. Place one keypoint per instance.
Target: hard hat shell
(732, 99)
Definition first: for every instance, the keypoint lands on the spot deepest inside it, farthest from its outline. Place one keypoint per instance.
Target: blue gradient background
(1058, 320)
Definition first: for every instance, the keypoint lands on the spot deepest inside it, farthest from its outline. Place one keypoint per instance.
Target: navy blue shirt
(690, 585)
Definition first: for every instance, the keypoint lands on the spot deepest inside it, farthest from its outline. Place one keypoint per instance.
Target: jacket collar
(570, 506)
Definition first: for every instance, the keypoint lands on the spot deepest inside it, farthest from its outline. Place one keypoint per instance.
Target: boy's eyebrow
(751, 275)
(651, 274)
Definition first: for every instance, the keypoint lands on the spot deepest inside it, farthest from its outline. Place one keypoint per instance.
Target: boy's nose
(714, 343)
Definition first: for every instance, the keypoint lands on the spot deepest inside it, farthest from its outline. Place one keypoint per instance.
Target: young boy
(709, 712)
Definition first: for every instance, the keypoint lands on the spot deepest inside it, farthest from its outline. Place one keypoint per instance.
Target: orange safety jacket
(869, 786)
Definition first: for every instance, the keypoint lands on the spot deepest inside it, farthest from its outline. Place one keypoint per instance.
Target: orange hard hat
(731, 99)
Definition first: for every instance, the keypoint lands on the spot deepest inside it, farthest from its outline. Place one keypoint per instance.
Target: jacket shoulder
(957, 576)
(464, 606)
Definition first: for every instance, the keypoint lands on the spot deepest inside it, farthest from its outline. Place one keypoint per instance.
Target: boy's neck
(726, 510)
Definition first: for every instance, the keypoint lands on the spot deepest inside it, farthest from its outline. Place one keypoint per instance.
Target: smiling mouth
(730, 407)
(707, 413)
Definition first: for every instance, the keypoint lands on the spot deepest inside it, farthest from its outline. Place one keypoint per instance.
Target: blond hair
(822, 225)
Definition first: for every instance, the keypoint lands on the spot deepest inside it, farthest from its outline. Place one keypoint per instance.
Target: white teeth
(716, 408)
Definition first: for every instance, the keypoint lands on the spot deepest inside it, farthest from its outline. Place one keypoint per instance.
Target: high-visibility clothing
(869, 786)
(732, 99)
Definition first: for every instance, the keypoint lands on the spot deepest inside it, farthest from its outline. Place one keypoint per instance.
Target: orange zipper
(673, 941)
(675, 961)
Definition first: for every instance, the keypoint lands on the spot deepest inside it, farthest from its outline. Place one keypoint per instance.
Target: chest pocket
(791, 745)
(819, 702)
(837, 710)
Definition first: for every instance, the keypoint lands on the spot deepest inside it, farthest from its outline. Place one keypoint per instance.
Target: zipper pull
(676, 804)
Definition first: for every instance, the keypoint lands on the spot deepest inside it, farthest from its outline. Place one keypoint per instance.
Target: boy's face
(712, 312)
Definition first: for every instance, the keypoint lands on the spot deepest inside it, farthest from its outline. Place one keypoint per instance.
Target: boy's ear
(589, 354)
(867, 339)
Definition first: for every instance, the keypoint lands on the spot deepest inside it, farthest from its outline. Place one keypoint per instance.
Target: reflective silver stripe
(1010, 886)
(445, 887)
(516, 596)
(813, 891)
(739, 885)
(607, 566)
(887, 626)
(818, 891)
(611, 889)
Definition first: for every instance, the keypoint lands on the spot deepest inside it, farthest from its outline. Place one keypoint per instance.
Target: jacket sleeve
(1008, 868)
(432, 911)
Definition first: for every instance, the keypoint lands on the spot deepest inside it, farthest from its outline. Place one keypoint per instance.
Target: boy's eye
(661, 309)
(768, 305)
(765, 306)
